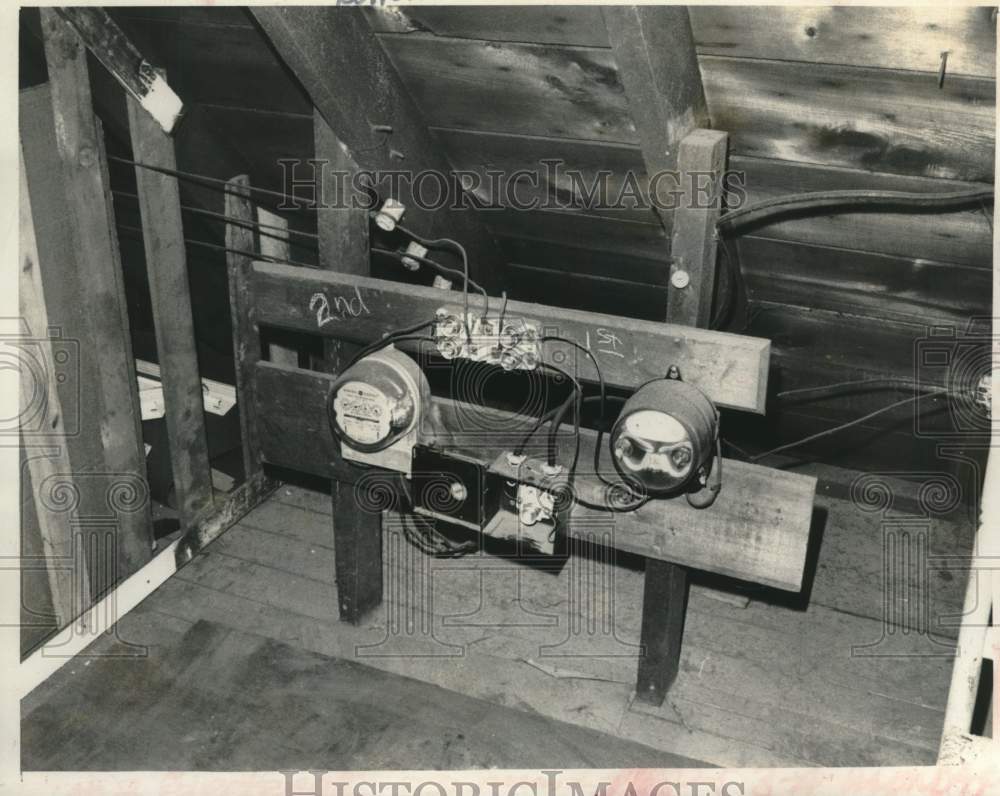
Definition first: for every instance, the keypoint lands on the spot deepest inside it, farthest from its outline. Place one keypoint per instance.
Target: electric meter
(664, 438)
(375, 407)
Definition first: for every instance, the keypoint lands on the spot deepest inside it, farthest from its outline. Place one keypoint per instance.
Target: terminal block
(511, 343)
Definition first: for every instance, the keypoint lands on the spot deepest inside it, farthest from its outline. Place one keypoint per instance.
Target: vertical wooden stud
(246, 336)
(67, 572)
(689, 302)
(80, 146)
(343, 246)
(700, 162)
(166, 264)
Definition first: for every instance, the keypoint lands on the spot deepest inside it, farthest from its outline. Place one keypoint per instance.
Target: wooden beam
(731, 369)
(246, 334)
(67, 572)
(658, 66)
(119, 55)
(166, 266)
(343, 232)
(343, 247)
(701, 161)
(90, 216)
(273, 243)
(664, 605)
(226, 513)
(757, 530)
(339, 62)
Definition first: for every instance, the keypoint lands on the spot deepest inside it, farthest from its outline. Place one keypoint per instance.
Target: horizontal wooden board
(861, 283)
(581, 25)
(606, 236)
(730, 369)
(757, 530)
(586, 292)
(567, 92)
(562, 175)
(902, 37)
(869, 119)
(575, 261)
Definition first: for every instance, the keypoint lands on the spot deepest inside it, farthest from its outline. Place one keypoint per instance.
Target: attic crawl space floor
(767, 678)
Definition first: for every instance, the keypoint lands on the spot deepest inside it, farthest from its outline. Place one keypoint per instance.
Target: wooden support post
(343, 231)
(701, 161)
(689, 301)
(343, 247)
(664, 604)
(166, 265)
(67, 572)
(655, 53)
(90, 216)
(246, 336)
(357, 543)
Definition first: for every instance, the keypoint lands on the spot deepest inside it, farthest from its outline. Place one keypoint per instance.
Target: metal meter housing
(375, 407)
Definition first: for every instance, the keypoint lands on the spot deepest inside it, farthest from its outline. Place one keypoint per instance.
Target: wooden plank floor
(772, 682)
(202, 704)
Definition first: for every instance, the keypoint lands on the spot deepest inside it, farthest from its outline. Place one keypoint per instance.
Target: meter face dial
(656, 446)
(364, 413)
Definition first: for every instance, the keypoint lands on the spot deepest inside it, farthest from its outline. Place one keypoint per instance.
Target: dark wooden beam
(166, 265)
(658, 66)
(246, 335)
(689, 301)
(341, 65)
(731, 369)
(343, 247)
(122, 59)
(701, 161)
(756, 531)
(664, 606)
(90, 217)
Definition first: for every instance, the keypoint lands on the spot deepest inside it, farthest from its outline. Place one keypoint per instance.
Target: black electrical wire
(855, 385)
(836, 429)
(850, 200)
(593, 359)
(437, 266)
(223, 186)
(437, 243)
(397, 336)
(549, 414)
(228, 249)
(239, 222)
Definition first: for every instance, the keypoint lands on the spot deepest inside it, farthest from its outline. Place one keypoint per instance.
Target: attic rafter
(337, 58)
(658, 66)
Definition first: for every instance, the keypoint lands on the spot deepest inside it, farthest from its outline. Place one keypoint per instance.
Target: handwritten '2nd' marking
(342, 309)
